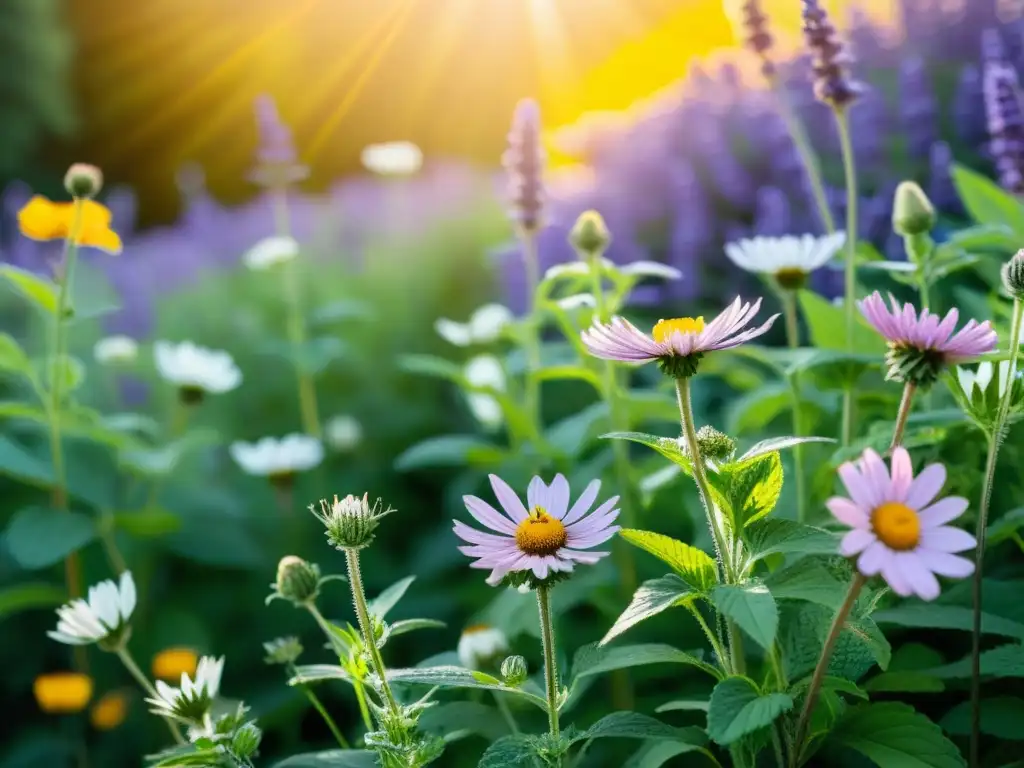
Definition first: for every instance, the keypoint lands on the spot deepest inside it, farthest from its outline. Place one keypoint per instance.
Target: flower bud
(83, 181)
(715, 445)
(297, 580)
(514, 671)
(246, 740)
(589, 234)
(1013, 275)
(350, 522)
(912, 212)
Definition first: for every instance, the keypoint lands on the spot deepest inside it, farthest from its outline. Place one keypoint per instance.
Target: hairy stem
(793, 340)
(319, 707)
(906, 404)
(850, 279)
(357, 685)
(143, 681)
(355, 579)
(713, 639)
(547, 638)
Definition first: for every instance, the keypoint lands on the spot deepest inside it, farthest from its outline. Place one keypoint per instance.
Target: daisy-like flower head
(678, 344)
(196, 370)
(539, 542)
(899, 524)
(789, 260)
(101, 618)
(483, 327)
(116, 349)
(482, 647)
(920, 346)
(190, 702)
(279, 460)
(269, 252)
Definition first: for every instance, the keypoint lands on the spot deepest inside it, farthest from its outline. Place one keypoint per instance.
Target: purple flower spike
(542, 540)
(277, 163)
(756, 35)
(524, 163)
(830, 59)
(1005, 123)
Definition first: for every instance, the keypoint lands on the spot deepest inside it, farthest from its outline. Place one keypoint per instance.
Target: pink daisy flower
(677, 344)
(899, 527)
(920, 345)
(544, 537)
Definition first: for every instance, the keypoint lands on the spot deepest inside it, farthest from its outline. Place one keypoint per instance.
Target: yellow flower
(43, 219)
(62, 692)
(110, 711)
(171, 663)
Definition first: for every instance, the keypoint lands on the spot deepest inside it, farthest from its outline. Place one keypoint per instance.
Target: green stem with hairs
(906, 404)
(994, 443)
(355, 579)
(319, 707)
(850, 278)
(789, 311)
(143, 681)
(357, 685)
(713, 639)
(547, 638)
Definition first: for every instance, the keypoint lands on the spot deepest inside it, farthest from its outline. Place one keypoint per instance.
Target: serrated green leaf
(752, 607)
(633, 725)
(331, 758)
(893, 735)
(803, 629)
(776, 536)
(738, 708)
(381, 605)
(747, 491)
(1001, 716)
(1004, 661)
(38, 537)
(317, 673)
(651, 598)
(509, 752)
(668, 447)
(37, 290)
(694, 566)
(25, 597)
(948, 617)
(450, 451)
(595, 660)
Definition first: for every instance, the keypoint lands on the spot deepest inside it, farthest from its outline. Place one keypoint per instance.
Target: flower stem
(547, 637)
(713, 639)
(357, 685)
(318, 705)
(850, 279)
(995, 440)
(906, 404)
(355, 579)
(814, 689)
(296, 324)
(531, 262)
(142, 680)
(793, 340)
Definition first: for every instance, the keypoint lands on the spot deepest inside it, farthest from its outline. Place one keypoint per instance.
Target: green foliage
(737, 709)
(893, 734)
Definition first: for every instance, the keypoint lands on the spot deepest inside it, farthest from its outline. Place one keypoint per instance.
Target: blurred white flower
(640, 268)
(343, 432)
(392, 158)
(485, 371)
(191, 701)
(481, 647)
(576, 301)
(116, 349)
(484, 326)
(196, 369)
(101, 617)
(569, 269)
(982, 377)
(271, 251)
(273, 457)
(788, 259)
(651, 269)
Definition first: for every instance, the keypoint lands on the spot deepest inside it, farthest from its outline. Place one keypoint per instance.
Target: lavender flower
(969, 107)
(918, 108)
(1005, 123)
(941, 189)
(756, 35)
(277, 164)
(524, 163)
(830, 59)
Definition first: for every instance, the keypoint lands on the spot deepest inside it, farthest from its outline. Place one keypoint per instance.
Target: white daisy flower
(116, 349)
(278, 459)
(485, 371)
(343, 432)
(576, 301)
(640, 269)
(101, 618)
(651, 269)
(482, 647)
(271, 251)
(392, 158)
(196, 370)
(190, 702)
(982, 377)
(788, 259)
(484, 326)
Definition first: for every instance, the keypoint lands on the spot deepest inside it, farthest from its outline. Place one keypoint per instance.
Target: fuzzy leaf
(776, 536)
(752, 607)
(748, 490)
(738, 708)
(893, 735)
(694, 566)
(651, 598)
(595, 660)
(668, 447)
(633, 725)
(388, 599)
(509, 752)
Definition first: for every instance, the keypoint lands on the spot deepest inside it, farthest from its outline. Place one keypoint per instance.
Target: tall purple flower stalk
(830, 59)
(918, 109)
(524, 163)
(757, 37)
(1005, 123)
(277, 163)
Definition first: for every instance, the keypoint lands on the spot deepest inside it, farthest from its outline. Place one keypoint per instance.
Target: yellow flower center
(664, 329)
(540, 533)
(169, 664)
(109, 712)
(474, 629)
(896, 525)
(62, 692)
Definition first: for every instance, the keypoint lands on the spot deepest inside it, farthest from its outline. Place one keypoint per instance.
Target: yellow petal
(62, 692)
(170, 663)
(95, 214)
(109, 712)
(101, 237)
(42, 219)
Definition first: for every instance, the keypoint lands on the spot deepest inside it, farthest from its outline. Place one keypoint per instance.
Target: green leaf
(16, 462)
(829, 683)
(804, 626)
(465, 716)
(388, 599)
(752, 607)
(893, 735)
(651, 598)
(12, 356)
(786, 537)
(747, 490)
(633, 725)
(668, 447)
(683, 705)
(40, 292)
(738, 708)
(339, 310)
(948, 617)
(162, 460)
(509, 752)
(1001, 716)
(655, 754)
(24, 597)
(430, 365)
(331, 758)
(694, 566)
(411, 625)
(151, 522)
(986, 202)
(594, 659)
(563, 372)
(1004, 661)
(985, 237)
(774, 444)
(754, 410)
(904, 681)
(311, 356)
(67, 371)
(458, 677)
(38, 537)
(827, 326)
(807, 579)
(317, 673)
(450, 451)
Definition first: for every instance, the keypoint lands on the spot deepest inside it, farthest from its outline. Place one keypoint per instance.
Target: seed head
(83, 181)
(1013, 275)
(514, 671)
(912, 211)
(297, 580)
(350, 522)
(590, 235)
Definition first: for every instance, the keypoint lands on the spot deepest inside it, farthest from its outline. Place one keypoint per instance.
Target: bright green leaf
(465, 716)
(827, 326)
(694, 566)
(668, 447)
(752, 607)
(651, 598)
(777, 536)
(893, 735)
(388, 599)
(24, 597)
(12, 356)
(37, 290)
(38, 537)
(747, 491)
(562, 372)
(986, 202)
(738, 708)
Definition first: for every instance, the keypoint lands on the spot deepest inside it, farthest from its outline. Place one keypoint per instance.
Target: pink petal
(945, 564)
(873, 559)
(856, 541)
(487, 515)
(508, 499)
(583, 503)
(558, 497)
(599, 512)
(896, 579)
(537, 494)
(473, 536)
(592, 539)
(922, 581)
(902, 474)
(587, 558)
(876, 473)
(942, 511)
(847, 512)
(926, 486)
(857, 486)
(945, 538)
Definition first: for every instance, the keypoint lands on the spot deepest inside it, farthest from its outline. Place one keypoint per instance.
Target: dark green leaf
(1004, 661)
(651, 598)
(468, 716)
(655, 754)
(893, 735)
(947, 617)
(694, 566)
(38, 537)
(777, 536)
(24, 597)
(752, 607)
(508, 752)
(807, 579)
(595, 660)
(904, 681)
(449, 451)
(1001, 717)
(331, 758)
(738, 708)
(633, 725)
(388, 599)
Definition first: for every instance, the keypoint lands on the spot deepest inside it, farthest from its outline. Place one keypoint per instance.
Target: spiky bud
(524, 163)
(246, 740)
(283, 650)
(350, 522)
(715, 445)
(912, 212)
(590, 234)
(83, 181)
(514, 671)
(297, 580)
(1013, 275)
(830, 59)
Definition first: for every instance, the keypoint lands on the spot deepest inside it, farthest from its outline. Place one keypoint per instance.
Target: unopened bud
(514, 671)
(590, 234)
(715, 445)
(297, 580)
(1013, 275)
(912, 211)
(83, 181)
(246, 740)
(350, 523)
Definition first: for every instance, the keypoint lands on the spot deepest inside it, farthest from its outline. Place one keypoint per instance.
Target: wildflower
(590, 234)
(278, 459)
(42, 219)
(486, 372)
(1005, 120)
(678, 344)
(392, 158)
(283, 650)
(829, 59)
(102, 618)
(62, 693)
(920, 346)
(196, 370)
(191, 701)
(898, 525)
(576, 301)
(480, 647)
(645, 268)
(350, 522)
(269, 252)
(116, 349)
(485, 325)
(757, 38)
(524, 162)
(541, 540)
(277, 165)
(514, 671)
(110, 711)
(912, 211)
(980, 391)
(297, 580)
(172, 663)
(343, 432)
(1013, 275)
(789, 260)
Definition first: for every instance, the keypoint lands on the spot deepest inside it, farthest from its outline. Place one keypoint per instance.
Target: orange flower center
(62, 692)
(540, 533)
(170, 663)
(896, 525)
(664, 329)
(109, 712)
